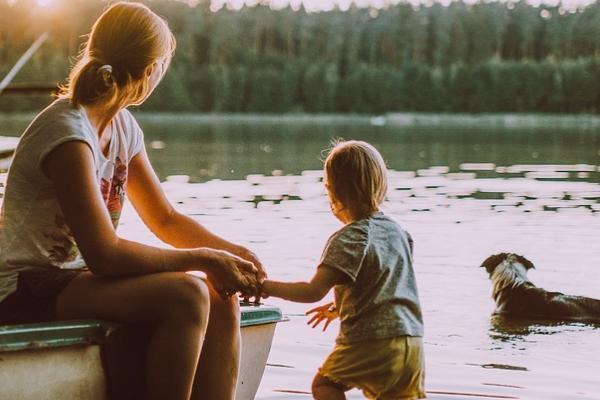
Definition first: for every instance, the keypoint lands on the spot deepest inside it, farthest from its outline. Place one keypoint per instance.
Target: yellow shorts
(383, 369)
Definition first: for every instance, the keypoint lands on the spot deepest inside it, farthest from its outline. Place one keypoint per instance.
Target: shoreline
(500, 120)
(395, 119)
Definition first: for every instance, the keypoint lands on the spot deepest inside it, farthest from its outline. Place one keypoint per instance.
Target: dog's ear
(492, 262)
(525, 262)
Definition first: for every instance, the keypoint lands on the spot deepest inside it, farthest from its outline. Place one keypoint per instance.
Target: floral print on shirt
(113, 191)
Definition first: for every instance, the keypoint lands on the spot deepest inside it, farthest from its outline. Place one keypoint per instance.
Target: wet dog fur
(516, 296)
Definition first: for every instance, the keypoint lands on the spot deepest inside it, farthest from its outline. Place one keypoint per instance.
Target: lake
(462, 192)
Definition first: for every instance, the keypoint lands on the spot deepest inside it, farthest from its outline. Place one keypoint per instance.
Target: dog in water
(516, 296)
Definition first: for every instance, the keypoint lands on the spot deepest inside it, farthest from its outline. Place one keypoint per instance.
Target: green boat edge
(89, 332)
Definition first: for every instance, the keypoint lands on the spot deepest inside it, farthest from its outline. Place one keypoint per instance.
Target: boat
(100, 360)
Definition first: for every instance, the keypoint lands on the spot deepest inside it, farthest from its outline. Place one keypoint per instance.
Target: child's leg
(219, 364)
(176, 305)
(326, 389)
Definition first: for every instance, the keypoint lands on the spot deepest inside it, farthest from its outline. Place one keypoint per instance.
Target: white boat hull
(256, 345)
(67, 373)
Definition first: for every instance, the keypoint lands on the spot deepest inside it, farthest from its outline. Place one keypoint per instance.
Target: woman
(64, 194)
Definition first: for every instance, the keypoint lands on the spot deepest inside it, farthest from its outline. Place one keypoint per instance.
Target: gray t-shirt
(380, 299)
(33, 231)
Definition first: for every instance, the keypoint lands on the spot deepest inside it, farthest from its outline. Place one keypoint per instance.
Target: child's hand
(326, 312)
(258, 294)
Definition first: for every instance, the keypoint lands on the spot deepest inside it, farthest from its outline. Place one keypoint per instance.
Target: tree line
(484, 57)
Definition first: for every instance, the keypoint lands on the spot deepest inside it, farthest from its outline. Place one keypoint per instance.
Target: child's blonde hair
(356, 177)
(112, 70)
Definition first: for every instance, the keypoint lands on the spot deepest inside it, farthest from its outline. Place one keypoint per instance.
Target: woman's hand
(231, 274)
(248, 255)
(326, 312)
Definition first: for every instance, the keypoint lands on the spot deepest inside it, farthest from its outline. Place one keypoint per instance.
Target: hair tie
(105, 72)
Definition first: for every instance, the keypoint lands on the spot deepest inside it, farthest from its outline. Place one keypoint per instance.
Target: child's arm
(305, 292)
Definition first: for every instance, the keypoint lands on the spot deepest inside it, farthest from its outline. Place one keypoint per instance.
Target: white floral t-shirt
(33, 232)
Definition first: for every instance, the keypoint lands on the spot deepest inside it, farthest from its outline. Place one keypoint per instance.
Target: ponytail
(124, 44)
(92, 82)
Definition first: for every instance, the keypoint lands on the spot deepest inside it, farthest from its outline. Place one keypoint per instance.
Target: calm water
(462, 193)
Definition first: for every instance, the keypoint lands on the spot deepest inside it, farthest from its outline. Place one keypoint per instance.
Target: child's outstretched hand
(258, 294)
(326, 312)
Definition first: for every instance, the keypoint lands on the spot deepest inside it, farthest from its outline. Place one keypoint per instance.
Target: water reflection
(462, 193)
(231, 151)
(511, 329)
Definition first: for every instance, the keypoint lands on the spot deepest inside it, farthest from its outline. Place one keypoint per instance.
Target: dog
(516, 296)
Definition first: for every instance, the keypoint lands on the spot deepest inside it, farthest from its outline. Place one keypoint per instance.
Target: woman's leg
(175, 304)
(325, 389)
(219, 364)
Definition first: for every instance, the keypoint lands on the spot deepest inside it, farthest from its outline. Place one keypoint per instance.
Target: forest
(484, 57)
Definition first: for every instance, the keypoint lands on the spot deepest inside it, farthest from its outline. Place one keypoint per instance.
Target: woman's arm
(146, 195)
(71, 168)
(306, 292)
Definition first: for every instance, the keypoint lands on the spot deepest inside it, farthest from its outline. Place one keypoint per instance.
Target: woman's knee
(187, 297)
(227, 310)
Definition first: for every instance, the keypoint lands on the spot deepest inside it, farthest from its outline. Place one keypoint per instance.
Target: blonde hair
(123, 45)
(356, 177)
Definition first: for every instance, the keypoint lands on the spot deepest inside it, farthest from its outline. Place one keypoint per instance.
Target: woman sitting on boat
(60, 256)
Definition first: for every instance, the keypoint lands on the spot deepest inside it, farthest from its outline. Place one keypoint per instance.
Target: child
(369, 263)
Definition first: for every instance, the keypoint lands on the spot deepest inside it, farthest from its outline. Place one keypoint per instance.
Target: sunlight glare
(44, 3)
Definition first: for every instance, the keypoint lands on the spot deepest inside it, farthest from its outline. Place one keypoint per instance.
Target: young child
(368, 261)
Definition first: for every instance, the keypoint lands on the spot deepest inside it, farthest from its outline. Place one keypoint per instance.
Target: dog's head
(493, 261)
